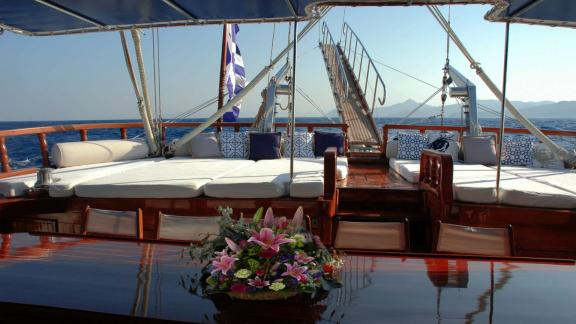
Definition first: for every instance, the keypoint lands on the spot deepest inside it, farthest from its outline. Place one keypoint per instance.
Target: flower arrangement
(266, 258)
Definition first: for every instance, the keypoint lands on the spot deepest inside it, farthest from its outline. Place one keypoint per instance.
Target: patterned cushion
(410, 145)
(234, 145)
(446, 142)
(303, 147)
(517, 150)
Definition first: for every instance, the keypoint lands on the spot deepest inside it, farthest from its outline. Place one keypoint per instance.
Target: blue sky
(84, 76)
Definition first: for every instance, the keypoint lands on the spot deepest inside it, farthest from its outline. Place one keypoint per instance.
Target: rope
(159, 76)
(307, 98)
(154, 76)
(272, 47)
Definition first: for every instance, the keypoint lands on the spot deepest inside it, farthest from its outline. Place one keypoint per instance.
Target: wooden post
(163, 128)
(123, 133)
(44, 149)
(83, 135)
(4, 155)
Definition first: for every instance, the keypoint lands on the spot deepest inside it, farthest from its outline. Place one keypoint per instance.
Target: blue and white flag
(235, 75)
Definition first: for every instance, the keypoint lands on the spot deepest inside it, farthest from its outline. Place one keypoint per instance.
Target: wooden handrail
(461, 129)
(83, 129)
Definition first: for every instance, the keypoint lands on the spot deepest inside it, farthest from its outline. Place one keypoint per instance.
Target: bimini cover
(53, 17)
(539, 12)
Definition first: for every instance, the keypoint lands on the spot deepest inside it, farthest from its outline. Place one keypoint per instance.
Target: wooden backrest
(186, 228)
(373, 236)
(461, 239)
(113, 223)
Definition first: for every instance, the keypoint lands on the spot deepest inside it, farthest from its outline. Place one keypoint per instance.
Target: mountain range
(539, 109)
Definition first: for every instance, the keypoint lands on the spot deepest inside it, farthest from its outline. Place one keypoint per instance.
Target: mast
(222, 83)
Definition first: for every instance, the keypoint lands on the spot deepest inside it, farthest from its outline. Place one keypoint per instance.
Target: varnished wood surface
(374, 175)
(151, 280)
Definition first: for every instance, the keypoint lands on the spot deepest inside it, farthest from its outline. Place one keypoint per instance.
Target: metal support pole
(502, 111)
(293, 99)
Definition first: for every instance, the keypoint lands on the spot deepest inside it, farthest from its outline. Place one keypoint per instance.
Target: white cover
(66, 179)
(179, 177)
(92, 152)
(112, 222)
(476, 183)
(341, 165)
(188, 228)
(545, 188)
(408, 169)
(271, 179)
(16, 186)
(371, 236)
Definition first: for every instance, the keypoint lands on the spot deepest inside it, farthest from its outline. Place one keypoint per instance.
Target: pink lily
(223, 264)
(269, 218)
(302, 258)
(259, 283)
(296, 223)
(267, 240)
(233, 246)
(295, 271)
(281, 222)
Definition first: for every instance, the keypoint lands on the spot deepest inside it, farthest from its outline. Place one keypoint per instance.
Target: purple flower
(258, 283)
(290, 282)
(295, 271)
(267, 240)
(223, 264)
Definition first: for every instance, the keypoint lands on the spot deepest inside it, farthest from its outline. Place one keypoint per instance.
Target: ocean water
(24, 151)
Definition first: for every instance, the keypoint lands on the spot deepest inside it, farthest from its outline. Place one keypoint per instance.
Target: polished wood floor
(374, 175)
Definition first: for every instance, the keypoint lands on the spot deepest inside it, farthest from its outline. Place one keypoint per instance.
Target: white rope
(309, 99)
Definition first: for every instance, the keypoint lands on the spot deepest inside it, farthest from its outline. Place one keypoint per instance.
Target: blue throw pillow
(324, 140)
(517, 150)
(265, 146)
(410, 145)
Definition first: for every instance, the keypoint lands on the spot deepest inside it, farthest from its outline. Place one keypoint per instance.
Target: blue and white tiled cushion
(517, 150)
(234, 145)
(303, 145)
(410, 145)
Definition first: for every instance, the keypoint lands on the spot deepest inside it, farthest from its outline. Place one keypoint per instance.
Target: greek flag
(235, 75)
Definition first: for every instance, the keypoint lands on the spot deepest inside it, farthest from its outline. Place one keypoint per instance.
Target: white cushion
(479, 149)
(307, 185)
(204, 146)
(188, 228)
(112, 222)
(475, 183)
(341, 165)
(392, 148)
(64, 180)
(371, 236)
(410, 145)
(182, 150)
(179, 177)
(408, 169)
(543, 157)
(93, 152)
(16, 186)
(303, 145)
(263, 179)
(234, 145)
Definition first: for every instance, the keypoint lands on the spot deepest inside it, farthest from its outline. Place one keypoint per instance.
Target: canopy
(540, 12)
(55, 17)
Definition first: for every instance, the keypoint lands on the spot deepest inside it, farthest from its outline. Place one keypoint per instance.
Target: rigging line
(271, 48)
(397, 70)
(420, 106)
(309, 99)
(193, 110)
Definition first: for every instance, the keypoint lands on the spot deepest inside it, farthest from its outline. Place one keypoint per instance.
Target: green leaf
(258, 215)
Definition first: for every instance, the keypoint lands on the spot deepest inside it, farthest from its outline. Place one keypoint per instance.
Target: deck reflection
(153, 281)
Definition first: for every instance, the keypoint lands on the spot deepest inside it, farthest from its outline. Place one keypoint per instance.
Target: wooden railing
(461, 129)
(84, 129)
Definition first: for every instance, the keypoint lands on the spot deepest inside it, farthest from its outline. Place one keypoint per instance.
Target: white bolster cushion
(92, 152)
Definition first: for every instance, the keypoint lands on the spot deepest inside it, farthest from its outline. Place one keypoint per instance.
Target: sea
(24, 151)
